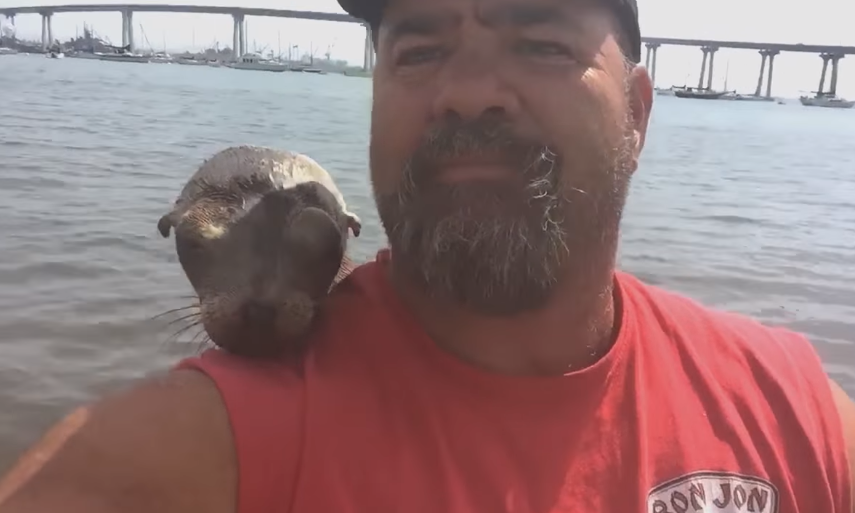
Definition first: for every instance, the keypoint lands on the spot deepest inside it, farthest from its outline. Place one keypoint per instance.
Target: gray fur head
(261, 235)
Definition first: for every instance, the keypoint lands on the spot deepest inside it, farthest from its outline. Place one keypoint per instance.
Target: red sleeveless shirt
(692, 410)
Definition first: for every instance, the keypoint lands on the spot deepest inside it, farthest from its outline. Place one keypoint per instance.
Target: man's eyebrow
(523, 15)
(508, 14)
(422, 24)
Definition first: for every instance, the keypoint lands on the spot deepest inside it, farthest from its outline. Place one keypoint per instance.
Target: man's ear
(640, 104)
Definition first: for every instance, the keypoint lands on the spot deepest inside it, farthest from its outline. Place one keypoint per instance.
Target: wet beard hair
(500, 247)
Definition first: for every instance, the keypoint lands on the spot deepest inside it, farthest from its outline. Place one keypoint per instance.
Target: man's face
(504, 134)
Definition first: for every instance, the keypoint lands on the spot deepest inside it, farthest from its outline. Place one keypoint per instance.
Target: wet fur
(217, 198)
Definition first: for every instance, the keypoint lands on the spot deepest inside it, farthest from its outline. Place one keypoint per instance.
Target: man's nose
(473, 85)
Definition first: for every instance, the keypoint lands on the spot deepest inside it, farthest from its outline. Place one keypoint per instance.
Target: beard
(500, 247)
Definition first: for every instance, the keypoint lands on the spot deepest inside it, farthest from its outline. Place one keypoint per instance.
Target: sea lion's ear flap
(165, 225)
(354, 223)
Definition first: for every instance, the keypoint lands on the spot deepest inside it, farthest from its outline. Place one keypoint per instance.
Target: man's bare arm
(165, 446)
(846, 409)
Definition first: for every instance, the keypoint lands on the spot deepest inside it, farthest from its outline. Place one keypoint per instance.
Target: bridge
(239, 15)
(768, 51)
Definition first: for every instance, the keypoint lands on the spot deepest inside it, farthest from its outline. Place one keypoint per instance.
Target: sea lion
(261, 235)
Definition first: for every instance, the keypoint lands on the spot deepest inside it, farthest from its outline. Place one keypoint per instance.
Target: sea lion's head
(260, 253)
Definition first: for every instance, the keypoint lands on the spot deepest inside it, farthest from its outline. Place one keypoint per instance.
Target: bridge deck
(201, 9)
(744, 45)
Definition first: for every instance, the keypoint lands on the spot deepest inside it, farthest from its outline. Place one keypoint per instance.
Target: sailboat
(728, 95)
(704, 93)
(827, 100)
(672, 90)
(162, 58)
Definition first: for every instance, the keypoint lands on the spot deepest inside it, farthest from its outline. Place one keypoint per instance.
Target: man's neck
(573, 331)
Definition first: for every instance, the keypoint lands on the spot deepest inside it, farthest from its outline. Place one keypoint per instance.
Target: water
(745, 206)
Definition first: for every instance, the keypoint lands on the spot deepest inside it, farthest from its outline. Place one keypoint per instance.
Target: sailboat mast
(726, 74)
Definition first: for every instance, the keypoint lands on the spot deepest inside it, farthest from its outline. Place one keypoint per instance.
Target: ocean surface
(745, 206)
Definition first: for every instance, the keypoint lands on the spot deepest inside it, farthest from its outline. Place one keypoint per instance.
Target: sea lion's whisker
(202, 343)
(201, 333)
(174, 310)
(193, 315)
(175, 336)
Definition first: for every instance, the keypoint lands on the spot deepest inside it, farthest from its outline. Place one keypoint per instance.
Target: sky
(828, 22)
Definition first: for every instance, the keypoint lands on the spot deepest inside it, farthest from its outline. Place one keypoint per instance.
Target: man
(494, 360)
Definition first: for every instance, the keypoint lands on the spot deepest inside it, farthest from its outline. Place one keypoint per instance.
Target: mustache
(484, 136)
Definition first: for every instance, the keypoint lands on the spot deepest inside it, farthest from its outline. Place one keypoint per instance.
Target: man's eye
(542, 48)
(418, 55)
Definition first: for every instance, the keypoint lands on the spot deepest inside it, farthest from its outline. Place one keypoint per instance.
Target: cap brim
(363, 9)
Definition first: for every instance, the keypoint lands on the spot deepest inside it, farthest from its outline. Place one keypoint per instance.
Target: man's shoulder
(681, 315)
(736, 348)
(739, 356)
(163, 444)
(361, 293)
(357, 309)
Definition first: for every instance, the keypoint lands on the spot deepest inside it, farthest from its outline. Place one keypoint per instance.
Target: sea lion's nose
(258, 313)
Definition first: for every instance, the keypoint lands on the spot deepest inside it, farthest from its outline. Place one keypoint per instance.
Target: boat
(699, 94)
(728, 95)
(55, 55)
(7, 51)
(81, 55)
(161, 58)
(669, 91)
(827, 100)
(122, 57)
(191, 61)
(753, 98)
(256, 63)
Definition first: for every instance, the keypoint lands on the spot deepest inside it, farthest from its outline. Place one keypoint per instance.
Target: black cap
(626, 10)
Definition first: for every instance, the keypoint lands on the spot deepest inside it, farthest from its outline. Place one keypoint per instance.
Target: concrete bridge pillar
(772, 54)
(130, 15)
(825, 58)
(764, 54)
(244, 47)
(238, 38)
(835, 62)
(712, 51)
(703, 67)
(47, 30)
(369, 56)
(650, 62)
(128, 29)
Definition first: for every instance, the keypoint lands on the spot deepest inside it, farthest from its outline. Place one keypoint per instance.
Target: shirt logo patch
(714, 492)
